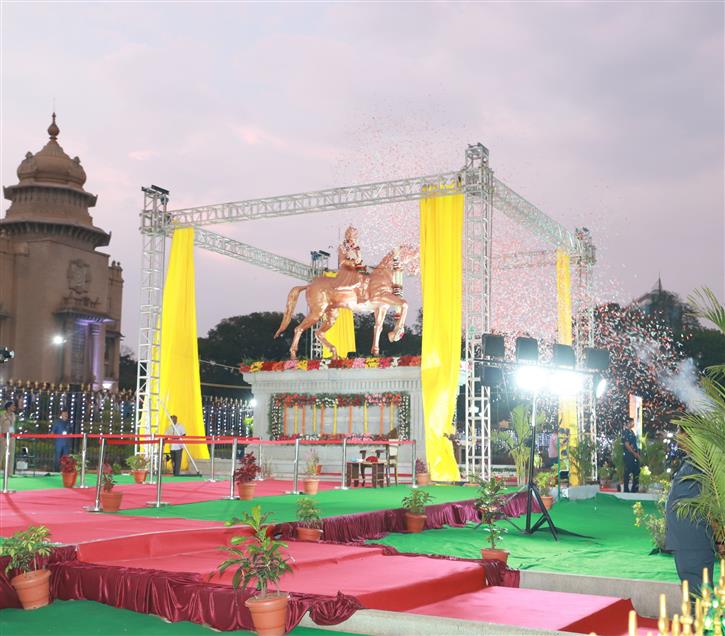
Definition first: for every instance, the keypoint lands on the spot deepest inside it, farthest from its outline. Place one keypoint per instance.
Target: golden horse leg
(395, 301)
(328, 321)
(308, 322)
(379, 312)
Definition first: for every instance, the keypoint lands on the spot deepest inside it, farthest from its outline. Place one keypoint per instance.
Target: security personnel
(631, 457)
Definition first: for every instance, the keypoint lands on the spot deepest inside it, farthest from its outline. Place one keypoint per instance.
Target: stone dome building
(60, 299)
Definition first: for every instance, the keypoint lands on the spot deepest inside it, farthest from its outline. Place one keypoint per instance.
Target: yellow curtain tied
(180, 385)
(342, 333)
(441, 261)
(567, 406)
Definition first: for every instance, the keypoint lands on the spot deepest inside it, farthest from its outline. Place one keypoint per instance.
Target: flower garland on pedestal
(281, 428)
(327, 363)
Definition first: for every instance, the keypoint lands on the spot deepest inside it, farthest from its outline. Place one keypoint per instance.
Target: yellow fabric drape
(441, 261)
(567, 406)
(342, 333)
(180, 385)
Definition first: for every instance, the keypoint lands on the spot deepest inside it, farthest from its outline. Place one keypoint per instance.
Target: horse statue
(325, 297)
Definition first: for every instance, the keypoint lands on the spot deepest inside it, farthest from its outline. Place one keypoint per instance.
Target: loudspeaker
(493, 346)
(564, 356)
(596, 359)
(489, 376)
(527, 350)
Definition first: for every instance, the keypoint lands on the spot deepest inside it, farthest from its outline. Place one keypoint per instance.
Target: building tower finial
(53, 129)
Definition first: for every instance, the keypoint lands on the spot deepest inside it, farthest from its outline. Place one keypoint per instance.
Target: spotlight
(565, 383)
(253, 403)
(527, 350)
(6, 354)
(564, 356)
(600, 385)
(530, 378)
(596, 359)
(58, 340)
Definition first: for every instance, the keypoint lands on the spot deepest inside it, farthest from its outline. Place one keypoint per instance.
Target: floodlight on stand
(527, 350)
(530, 378)
(565, 383)
(58, 340)
(493, 346)
(596, 359)
(564, 356)
(253, 403)
(599, 382)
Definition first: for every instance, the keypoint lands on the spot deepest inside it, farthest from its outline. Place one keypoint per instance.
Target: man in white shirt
(177, 430)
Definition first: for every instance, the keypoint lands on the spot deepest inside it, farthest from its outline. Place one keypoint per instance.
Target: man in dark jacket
(691, 541)
(62, 444)
(631, 457)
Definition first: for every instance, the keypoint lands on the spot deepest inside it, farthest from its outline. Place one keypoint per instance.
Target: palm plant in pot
(422, 478)
(260, 559)
(490, 503)
(310, 524)
(110, 498)
(244, 477)
(545, 481)
(70, 465)
(311, 481)
(414, 504)
(139, 467)
(25, 548)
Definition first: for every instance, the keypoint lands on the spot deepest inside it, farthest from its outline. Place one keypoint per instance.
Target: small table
(355, 474)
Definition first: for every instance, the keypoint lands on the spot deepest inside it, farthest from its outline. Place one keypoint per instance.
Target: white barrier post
(259, 476)
(160, 455)
(6, 468)
(232, 496)
(413, 459)
(343, 469)
(84, 453)
(211, 460)
(96, 507)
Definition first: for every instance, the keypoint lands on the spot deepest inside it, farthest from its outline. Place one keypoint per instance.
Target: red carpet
(377, 581)
(61, 509)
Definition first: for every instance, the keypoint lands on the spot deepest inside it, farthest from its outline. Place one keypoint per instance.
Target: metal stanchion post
(96, 507)
(211, 460)
(343, 469)
(6, 468)
(232, 496)
(296, 468)
(158, 503)
(259, 476)
(84, 454)
(413, 459)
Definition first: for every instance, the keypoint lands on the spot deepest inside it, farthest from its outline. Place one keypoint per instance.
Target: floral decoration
(328, 363)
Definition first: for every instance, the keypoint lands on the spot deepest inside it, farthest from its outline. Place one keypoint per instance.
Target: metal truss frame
(482, 193)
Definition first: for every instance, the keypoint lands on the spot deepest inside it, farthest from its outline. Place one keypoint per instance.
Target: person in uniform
(7, 425)
(62, 444)
(631, 457)
(175, 430)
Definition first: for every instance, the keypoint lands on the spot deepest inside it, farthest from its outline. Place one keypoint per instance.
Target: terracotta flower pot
(269, 614)
(33, 588)
(494, 555)
(139, 476)
(422, 479)
(69, 479)
(310, 485)
(548, 501)
(308, 534)
(414, 523)
(246, 490)
(111, 501)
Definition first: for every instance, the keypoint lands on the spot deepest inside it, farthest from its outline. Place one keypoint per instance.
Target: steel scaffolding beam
(478, 213)
(243, 252)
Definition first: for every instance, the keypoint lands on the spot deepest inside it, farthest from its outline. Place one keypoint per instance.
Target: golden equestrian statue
(354, 289)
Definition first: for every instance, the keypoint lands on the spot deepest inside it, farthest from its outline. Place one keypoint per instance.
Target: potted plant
(606, 474)
(110, 499)
(263, 561)
(645, 479)
(139, 467)
(545, 480)
(311, 481)
(244, 477)
(24, 549)
(422, 478)
(489, 502)
(69, 467)
(308, 514)
(414, 504)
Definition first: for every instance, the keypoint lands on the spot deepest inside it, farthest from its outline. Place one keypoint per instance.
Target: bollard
(160, 455)
(259, 476)
(232, 496)
(211, 460)
(296, 469)
(99, 477)
(84, 453)
(343, 470)
(6, 468)
(413, 459)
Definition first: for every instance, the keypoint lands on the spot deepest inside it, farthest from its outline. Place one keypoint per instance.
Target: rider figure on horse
(352, 273)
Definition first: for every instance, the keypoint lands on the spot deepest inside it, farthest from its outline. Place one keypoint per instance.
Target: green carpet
(26, 482)
(332, 503)
(86, 618)
(617, 548)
